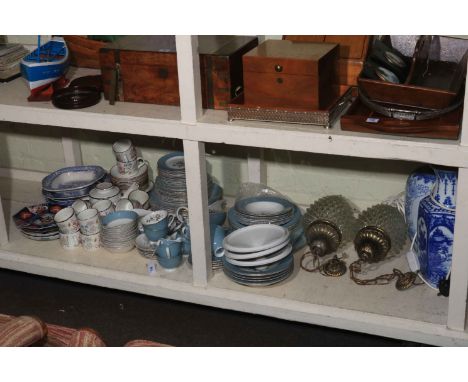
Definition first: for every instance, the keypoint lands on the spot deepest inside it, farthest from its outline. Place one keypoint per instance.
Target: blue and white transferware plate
(72, 178)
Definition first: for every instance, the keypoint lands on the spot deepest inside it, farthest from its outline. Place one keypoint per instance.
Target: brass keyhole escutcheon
(279, 80)
(278, 68)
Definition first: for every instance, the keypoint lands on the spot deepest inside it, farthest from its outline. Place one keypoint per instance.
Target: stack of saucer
(130, 168)
(145, 247)
(258, 255)
(170, 188)
(119, 231)
(68, 184)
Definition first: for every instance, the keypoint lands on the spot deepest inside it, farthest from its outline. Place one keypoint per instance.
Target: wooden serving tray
(360, 118)
(238, 109)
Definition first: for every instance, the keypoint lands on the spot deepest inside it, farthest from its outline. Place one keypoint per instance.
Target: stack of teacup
(69, 228)
(90, 228)
(129, 168)
(79, 225)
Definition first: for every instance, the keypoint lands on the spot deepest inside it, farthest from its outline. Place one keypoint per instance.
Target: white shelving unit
(415, 315)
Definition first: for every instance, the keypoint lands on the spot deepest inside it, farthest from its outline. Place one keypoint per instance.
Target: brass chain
(404, 280)
(333, 267)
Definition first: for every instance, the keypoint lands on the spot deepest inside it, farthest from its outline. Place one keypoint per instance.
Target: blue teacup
(155, 225)
(169, 253)
(186, 245)
(217, 237)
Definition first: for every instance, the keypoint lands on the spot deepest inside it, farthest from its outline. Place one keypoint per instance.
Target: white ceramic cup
(67, 221)
(124, 150)
(130, 167)
(140, 199)
(104, 207)
(124, 205)
(91, 242)
(80, 205)
(70, 240)
(89, 221)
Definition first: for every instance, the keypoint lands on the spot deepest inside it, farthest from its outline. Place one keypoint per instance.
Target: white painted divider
(72, 152)
(197, 193)
(188, 66)
(459, 274)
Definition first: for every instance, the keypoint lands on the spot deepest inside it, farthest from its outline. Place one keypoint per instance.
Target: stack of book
(10, 58)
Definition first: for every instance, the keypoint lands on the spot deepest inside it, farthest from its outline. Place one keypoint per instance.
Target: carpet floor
(120, 316)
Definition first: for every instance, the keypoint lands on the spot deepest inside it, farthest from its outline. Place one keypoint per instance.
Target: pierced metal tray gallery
(238, 110)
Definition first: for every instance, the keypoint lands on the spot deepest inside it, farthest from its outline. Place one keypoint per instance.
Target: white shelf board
(414, 315)
(213, 127)
(123, 117)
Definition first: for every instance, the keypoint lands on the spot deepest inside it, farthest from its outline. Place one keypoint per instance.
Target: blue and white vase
(418, 186)
(436, 220)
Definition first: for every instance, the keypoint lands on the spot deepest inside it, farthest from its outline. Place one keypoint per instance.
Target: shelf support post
(188, 68)
(256, 166)
(459, 273)
(464, 132)
(72, 152)
(3, 226)
(197, 195)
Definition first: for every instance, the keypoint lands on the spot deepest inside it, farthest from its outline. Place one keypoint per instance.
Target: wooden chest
(144, 69)
(281, 73)
(353, 50)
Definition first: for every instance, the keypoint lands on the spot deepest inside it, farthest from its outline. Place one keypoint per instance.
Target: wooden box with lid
(144, 69)
(281, 73)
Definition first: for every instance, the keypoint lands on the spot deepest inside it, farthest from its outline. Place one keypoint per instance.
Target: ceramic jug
(436, 219)
(418, 185)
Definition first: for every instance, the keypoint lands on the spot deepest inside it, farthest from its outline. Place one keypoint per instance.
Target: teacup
(124, 205)
(91, 242)
(70, 240)
(125, 193)
(140, 199)
(80, 205)
(89, 221)
(169, 253)
(131, 167)
(67, 221)
(155, 225)
(104, 207)
(124, 150)
(217, 237)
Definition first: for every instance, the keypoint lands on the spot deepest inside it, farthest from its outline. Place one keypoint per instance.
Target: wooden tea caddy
(144, 69)
(321, 100)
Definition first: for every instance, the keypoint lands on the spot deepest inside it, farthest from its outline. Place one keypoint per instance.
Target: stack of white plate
(170, 188)
(258, 255)
(119, 230)
(268, 209)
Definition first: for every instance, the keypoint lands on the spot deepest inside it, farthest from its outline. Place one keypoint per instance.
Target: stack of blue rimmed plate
(268, 209)
(170, 188)
(64, 186)
(258, 255)
(37, 222)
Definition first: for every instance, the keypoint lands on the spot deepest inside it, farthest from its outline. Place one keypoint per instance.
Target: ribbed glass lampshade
(329, 223)
(382, 231)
